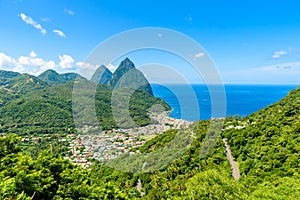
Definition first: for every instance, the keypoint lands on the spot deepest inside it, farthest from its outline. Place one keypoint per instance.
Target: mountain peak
(128, 76)
(102, 75)
(125, 76)
(127, 63)
(50, 71)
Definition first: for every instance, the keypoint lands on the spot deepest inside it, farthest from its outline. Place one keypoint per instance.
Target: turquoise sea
(193, 102)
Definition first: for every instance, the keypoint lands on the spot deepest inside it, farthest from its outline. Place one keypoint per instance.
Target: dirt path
(234, 167)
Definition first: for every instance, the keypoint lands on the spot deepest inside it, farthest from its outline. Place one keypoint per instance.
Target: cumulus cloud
(30, 21)
(87, 66)
(59, 33)
(8, 63)
(66, 62)
(112, 67)
(35, 65)
(198, 55)
(278, 54)
(70, 12)
(32, 54)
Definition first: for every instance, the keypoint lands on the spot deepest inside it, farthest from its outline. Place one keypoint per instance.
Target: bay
(194, 102)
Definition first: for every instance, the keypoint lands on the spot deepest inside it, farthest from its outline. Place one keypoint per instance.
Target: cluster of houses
(86, 147)
(107, 145)
(83, 149)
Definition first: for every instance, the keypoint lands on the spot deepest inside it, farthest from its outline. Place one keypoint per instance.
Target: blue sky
(250, 41)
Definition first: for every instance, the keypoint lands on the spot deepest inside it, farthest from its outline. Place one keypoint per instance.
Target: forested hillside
(49, 110)
(43, 104)
(267, 149)
(265, 144)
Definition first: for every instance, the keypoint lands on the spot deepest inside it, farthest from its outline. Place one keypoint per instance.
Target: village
(86, 148)
(107, 145)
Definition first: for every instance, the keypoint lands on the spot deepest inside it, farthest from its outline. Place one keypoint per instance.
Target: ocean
(194, 102)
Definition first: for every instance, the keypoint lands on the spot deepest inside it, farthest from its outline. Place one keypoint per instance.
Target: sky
(250, 42)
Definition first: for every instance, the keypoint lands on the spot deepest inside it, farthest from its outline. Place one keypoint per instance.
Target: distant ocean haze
(193, 102)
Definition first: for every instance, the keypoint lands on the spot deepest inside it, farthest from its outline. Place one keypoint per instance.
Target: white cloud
(59, 33)
(70, 12)
(30, 21)
(198, 55)
(112, 68)
(32, 64)
(66, 62)
(35, 65)
(48, 65)
(8, 63)
(26, 64)
(24, 60)
(32, 54)
(87, 66)
(87, 69)
(278, 54)
(159, 35)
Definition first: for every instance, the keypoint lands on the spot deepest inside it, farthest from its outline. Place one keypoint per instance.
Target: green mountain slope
(52, 77)
(49, 109)
(24, 83)
(5, 75)
(46, 110)
(265, 145)
(18, 85)
(126, 75)
(268, 146)
(102, 75)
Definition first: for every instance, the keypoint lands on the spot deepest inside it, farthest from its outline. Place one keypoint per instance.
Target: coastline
(163, 122)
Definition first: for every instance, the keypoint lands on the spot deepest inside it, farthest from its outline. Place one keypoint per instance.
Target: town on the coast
(84, 148)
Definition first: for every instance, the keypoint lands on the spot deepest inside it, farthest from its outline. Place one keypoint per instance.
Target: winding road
(234, 167)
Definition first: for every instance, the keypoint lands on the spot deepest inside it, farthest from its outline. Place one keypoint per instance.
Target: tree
(213, 184)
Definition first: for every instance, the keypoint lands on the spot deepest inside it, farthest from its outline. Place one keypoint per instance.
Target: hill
(51, 77)
(125, 76)
(17, 85)
(24, 83)
(102, 75)
(5, 75)
(265, 144)
(30, 105)
(268, 146)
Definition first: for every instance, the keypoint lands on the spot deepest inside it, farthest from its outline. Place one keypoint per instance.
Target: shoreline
(163, 123)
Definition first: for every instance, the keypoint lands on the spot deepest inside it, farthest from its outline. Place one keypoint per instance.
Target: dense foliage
(46, 177)
(265, 145)
(34, 107)
(267, 149)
